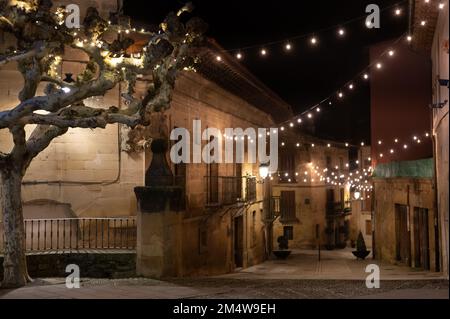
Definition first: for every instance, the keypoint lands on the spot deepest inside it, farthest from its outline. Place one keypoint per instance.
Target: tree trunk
(15, 265)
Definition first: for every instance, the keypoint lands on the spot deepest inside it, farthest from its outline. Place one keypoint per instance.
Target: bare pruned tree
(42, 38)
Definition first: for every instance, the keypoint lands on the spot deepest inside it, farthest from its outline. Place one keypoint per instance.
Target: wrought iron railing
(71, 234)
(229, 190)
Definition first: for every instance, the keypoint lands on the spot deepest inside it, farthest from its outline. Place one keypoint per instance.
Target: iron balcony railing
(71, 234)
(229, 190)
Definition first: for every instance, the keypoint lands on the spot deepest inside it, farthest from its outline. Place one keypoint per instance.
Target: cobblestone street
(224, 288)
(337, 276)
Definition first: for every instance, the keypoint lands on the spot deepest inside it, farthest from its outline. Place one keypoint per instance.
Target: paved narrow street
(337, 276)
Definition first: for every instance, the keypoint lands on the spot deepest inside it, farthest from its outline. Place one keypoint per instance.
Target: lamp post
(268, 220)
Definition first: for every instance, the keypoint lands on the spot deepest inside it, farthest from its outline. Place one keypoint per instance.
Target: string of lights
(312, 38)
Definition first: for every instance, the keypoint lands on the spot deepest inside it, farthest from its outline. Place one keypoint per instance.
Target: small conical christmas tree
(360, 243)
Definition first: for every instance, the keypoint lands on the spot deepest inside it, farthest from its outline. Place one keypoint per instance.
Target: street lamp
(264, 171)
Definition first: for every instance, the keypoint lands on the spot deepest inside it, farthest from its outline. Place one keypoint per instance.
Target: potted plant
(361, 251)
(283, 245)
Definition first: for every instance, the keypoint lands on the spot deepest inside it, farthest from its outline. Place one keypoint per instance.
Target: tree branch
(40, 139)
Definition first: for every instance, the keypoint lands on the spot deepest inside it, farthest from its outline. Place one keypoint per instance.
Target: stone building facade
(439, 56)
(311, 210)
(406, 231)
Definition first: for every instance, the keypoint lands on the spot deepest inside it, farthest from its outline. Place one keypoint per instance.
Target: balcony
(229, 190)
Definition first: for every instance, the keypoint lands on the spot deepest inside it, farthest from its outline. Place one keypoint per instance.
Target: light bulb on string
(263, 52)
(313, 40)
(299, 121)
(366, 76)
(351, 86)
(409, 38)
(239, 56)
(391, 53)
(398, 12)
(441, 6)
(423, 23)
(341, 32)
(379, 66)
(340, 95)
(288, 46)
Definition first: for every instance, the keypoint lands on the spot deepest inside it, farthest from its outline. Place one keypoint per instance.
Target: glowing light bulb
(366, 76)
(351, 86)
(381, 155)
(341, 32)
(379, 66)
(423, 23)
(239, 56)
(341, 95)
(263, 52)
(318, 110)
(299, 121)
(405, 146)
(392, 151)
(310, 116)
(314, 40)
(288, 47)
(380, 142)
(398, 12)
(409, 38)
(218, 58)
(441, 6)
(291, 124)
(391, 53)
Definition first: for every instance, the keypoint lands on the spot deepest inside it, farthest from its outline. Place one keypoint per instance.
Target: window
(369, 227)
(287, 207)
(288, 232)
(287, 166)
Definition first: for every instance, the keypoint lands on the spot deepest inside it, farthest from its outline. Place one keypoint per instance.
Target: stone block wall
(92, 265)
(412, 193)
(310, 197)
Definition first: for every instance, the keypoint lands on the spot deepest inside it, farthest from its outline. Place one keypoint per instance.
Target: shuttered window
(287, 207)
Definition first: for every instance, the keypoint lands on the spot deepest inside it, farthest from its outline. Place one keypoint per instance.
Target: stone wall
(440, 60)
(412, 193)
(310, 197)
(92, 265)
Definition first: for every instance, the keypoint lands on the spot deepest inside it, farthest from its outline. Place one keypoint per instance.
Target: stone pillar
(159, 221)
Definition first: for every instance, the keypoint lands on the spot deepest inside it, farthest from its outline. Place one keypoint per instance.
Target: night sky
(307, 74)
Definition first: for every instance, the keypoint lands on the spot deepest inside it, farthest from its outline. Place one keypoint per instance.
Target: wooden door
(403, 243)
(421, 239)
